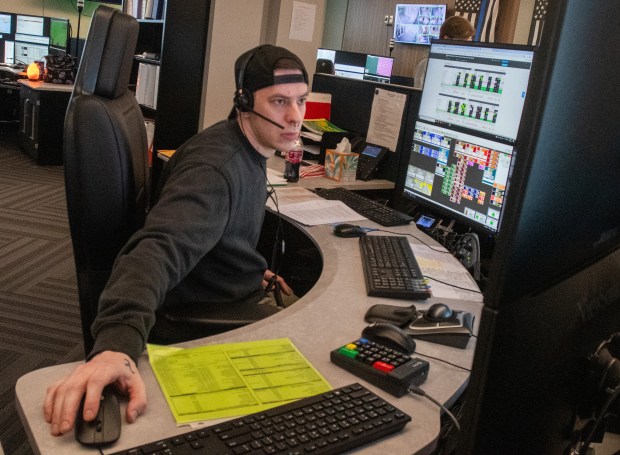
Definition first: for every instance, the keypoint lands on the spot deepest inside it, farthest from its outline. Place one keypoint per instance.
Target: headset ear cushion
(243, 100)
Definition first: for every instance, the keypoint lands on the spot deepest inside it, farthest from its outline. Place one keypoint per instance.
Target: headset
(244, 99)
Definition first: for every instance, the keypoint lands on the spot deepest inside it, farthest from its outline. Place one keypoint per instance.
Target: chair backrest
(105, 157)
(324, 65)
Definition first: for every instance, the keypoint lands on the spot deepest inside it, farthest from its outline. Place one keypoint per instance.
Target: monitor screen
(59, 33)
(326, 54)
(458, 173)
(29, 25)
(418, 24)
(350, 64)
(9, 52)
(5, 24)
(461, 146)
(378, 68)
(30, 52)
(476, 87)
(346, 63)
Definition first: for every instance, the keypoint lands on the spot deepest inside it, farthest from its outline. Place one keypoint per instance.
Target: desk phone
(369, 160)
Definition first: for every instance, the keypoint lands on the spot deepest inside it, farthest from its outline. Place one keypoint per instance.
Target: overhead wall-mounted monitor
(418, 24)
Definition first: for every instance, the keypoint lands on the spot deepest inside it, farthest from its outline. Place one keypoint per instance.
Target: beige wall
(238, 25)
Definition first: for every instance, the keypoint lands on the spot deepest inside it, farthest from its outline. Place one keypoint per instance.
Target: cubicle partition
(351, 108)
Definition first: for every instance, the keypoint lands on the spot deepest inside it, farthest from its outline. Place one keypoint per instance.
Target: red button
(382, 366)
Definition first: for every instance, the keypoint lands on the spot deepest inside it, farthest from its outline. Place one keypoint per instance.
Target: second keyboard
(391, 269)
(372, 210)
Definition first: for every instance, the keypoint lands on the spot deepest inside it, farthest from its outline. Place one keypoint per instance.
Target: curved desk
(328, 316)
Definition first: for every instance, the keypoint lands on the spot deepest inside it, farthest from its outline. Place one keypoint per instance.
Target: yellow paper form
(226, 380)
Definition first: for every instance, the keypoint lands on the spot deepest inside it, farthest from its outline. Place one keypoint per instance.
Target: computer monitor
(6, 24)
(29, 25)
(378, 68)
(476, 87)
(7, 36)
(346, 63)
(462, 145)
(418, 24)
(59, 34)
(552, 295)
(31, 38)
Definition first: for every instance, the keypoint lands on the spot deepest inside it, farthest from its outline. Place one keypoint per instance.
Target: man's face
(284, 104)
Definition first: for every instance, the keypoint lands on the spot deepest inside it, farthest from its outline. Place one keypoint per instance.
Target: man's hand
(268, 275)
(63, 398)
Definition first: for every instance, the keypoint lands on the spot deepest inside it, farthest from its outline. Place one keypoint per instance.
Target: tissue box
(341, 166)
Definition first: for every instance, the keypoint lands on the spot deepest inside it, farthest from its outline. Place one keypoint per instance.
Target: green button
(348, 352)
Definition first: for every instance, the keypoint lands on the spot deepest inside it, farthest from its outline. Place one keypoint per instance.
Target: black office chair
(107, 180)
(324, 65)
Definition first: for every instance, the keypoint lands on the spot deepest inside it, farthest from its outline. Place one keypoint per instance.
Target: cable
(444, 361)
(414, 390)
(279, 244)
(453, 285)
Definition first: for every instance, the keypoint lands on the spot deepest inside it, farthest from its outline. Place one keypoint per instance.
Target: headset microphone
(279, 125)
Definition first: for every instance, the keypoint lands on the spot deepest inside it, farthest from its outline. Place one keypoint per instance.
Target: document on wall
(302, 21)
(233, 379)
(386, 116)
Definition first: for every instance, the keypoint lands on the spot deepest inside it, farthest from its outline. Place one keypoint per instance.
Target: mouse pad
(397, 315)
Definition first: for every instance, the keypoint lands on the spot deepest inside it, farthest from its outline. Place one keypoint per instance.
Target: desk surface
(328, 316)
(46, 86)
(276, 163)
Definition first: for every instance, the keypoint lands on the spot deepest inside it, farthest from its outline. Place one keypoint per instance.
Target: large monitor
(418, 24)
(462, 145)
(552, 297)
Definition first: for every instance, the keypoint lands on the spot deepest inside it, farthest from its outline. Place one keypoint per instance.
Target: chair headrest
(106, 63)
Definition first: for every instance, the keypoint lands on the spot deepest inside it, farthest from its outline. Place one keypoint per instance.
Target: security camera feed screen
(418, 24)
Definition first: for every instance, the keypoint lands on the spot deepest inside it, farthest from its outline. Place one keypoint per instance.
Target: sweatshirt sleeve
(181, 228)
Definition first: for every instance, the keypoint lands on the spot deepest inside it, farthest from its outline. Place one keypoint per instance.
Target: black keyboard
(391, 269)
(372, 210)
(329, 423)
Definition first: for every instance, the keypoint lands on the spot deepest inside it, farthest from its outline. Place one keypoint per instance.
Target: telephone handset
(369, 160)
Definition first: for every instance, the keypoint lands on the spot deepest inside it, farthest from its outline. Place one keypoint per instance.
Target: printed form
(233, 379)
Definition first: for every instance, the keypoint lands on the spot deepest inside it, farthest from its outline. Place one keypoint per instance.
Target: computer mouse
(438, 312)
(389, 335)
(348, 230)
(103, 429)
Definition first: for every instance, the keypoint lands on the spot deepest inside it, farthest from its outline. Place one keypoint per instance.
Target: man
(454, 28)
(199, 240)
